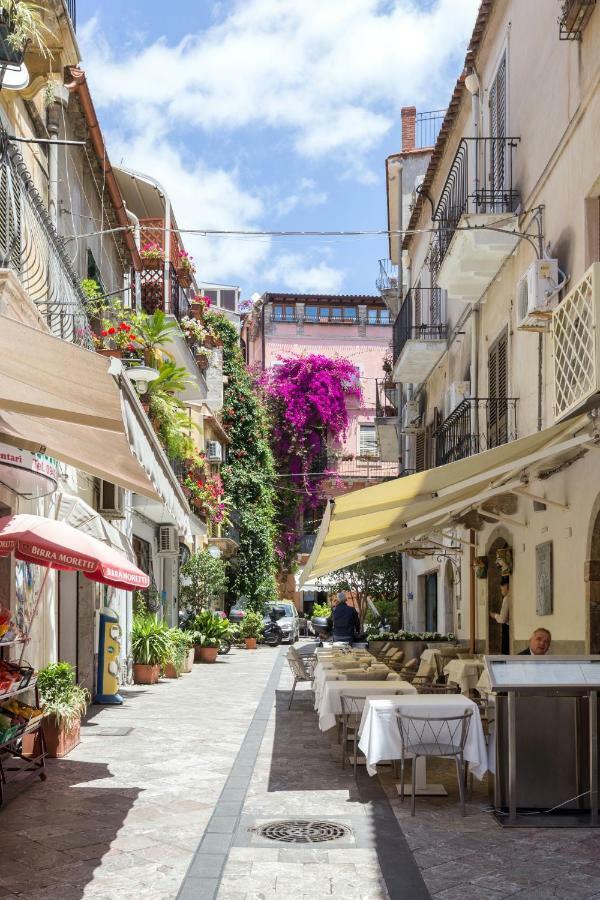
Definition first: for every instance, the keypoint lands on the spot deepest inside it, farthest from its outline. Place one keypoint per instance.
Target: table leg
(422, 788)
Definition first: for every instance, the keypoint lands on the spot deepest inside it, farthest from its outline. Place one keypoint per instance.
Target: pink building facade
(356, 328)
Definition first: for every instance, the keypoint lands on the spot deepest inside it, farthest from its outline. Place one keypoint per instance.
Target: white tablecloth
(331, 705)
(464, 672)
(380, 737)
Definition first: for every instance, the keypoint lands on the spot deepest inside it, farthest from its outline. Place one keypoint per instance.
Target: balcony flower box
(185, 268)
(114, 354)
(152, 255)
(202, 361)
(184, 277)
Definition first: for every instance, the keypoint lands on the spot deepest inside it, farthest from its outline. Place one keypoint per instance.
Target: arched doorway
(494, 597)
(592, 579)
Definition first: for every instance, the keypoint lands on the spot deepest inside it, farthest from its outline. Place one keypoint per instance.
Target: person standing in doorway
(503, 617)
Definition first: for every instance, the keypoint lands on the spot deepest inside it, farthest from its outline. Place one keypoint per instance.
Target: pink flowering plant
(308, 399)
(185, 261)
(152, 250)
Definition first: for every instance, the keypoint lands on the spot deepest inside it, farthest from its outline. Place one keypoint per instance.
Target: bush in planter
(181, 644)
(207, 631)
(251, 628)
(151, 647)
(321, 610)
(64, 704)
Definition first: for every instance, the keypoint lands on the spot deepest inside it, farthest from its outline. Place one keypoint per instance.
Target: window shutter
(420, 452)
(497, 113)
(435, 299)
(498, 391)
(417, 318)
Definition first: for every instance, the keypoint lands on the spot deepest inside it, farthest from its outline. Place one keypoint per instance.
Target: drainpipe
(167, 239)
(53, 115)
(137, 293)
(474, 372)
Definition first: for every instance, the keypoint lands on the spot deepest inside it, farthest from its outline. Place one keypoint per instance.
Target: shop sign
(28, 474)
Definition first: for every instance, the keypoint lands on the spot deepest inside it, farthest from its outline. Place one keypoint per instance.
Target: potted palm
(207, 633)
(251, 628)
(64, 704)
(151, 648)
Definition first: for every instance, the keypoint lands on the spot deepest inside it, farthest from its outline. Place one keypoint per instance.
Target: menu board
(543, 672)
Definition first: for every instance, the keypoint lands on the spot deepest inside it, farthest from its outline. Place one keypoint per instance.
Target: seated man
(539, 643)
(346, 623)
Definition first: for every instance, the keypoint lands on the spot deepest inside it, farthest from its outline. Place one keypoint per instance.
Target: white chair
(302, 669)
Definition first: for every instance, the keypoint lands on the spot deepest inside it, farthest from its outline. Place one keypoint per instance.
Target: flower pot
(202, 362)
(184, 277)
(197, 311)
(171, 671)
(60, 740)
(143, 674)
(207, 654)
(250, 643)
(152, 263)
(188, 662)
(31, 744)
(115, 354)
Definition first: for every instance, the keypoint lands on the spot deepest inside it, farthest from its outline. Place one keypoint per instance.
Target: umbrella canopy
(57, 545)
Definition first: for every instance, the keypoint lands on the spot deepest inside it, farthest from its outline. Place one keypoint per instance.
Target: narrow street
(161, 798)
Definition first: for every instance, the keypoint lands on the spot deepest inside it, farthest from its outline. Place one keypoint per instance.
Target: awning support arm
(524, 492)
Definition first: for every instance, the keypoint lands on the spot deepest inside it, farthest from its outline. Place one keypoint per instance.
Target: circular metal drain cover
(303, 831)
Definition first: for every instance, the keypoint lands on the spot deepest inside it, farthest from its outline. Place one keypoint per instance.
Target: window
(498, 391)
(367, 441)
(283, 313)
(311, 313)
(228, 300)
(213, 296)
(497, 115)
(376, 316)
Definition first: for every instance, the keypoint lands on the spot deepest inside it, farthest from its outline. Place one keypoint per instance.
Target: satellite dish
(14, 79)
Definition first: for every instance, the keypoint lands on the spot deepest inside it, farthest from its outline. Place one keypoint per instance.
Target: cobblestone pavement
(162, 797)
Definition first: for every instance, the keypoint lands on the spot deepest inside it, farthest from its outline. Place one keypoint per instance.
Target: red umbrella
(57, 545)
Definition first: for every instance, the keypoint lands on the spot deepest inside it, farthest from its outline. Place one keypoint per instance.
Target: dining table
(379, 735)
(330, 702)
(465, 673)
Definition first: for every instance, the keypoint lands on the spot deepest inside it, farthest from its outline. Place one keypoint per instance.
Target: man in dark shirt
(346, 623)
(539, 643)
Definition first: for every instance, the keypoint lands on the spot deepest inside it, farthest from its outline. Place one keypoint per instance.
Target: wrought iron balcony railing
(307, 542)
(32, 248)
(574, 16)
(427, 127)
(72, 10)
(388, 278)
(480, 180)
(477, 424)
(283, 317)
(405, 329)
(387, 399)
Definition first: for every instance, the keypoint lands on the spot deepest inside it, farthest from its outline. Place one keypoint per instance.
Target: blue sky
(271, 115)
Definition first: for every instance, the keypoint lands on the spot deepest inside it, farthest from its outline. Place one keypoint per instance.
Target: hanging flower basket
(152, 262)
(184, 276)
(9, 56)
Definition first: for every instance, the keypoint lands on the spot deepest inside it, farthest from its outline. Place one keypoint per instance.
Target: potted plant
(154, 331)
(116, 339)
(180, 643)
(251, 628)
(152, 255)
(185, 268)
(198, 306)
(21, 24)
(150, 647)
(207, 633)
(64, 704)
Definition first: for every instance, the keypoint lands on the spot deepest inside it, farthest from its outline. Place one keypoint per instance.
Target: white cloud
(292, 272)
(307, 196)
(332, 73)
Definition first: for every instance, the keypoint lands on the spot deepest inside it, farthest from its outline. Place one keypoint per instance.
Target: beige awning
(76, 512)
(388, 516)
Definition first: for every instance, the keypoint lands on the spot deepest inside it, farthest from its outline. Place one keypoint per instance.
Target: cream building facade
(496, 334)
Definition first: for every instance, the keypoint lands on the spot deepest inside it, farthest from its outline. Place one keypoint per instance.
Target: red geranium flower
(112, 330)
(104, 333)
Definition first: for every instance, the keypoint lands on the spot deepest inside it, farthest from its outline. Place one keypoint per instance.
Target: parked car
(287, 618)
(236, 614)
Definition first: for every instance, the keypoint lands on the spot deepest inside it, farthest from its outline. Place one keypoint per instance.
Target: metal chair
(302, 669)
(409, 671)
(442, 736)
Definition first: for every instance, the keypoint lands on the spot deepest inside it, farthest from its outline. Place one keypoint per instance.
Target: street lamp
(141, 376)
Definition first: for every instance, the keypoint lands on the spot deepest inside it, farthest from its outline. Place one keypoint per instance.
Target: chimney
(409, 124)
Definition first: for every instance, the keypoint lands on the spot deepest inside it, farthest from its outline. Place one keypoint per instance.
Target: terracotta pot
(207, 654)
(143, 674)
(30, 744)
(60, 740)
(152, 263)
(250, 643)
(146, 406)
(114, 354)
(197, 311)
(202, 362)
(189, 661)
(171, 671)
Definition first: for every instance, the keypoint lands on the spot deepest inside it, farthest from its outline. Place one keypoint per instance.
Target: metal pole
(472, 592)
(512, 758)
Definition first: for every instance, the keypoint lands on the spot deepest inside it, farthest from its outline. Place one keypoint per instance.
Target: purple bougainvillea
(308, 399)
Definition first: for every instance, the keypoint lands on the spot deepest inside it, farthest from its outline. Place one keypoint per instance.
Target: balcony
(361, 468)
(31, 247)
(173, 301)
(427, 127)
(72, 10)
(576, 345)
(475, 215)
(574, 16)
(417, 347)
(477, 424)
(387, 421)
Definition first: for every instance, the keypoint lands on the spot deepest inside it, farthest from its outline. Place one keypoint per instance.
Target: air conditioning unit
(412, 420)
(112, 500)
(214, 451)
(456, 393)
(168, 541)
(537, 295)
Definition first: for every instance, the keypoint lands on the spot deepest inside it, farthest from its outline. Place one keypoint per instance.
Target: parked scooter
(272, 634)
